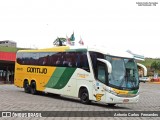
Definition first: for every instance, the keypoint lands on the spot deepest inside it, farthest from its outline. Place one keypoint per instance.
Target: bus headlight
(113, 92)
(109, 90)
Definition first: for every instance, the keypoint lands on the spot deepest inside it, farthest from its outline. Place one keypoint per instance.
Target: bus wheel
(84, 96)
(26, 87)
(111, 105)
(33, 88)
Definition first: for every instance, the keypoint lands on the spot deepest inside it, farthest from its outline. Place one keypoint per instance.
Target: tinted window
(61, 59)
(94, 56)
(101, 73)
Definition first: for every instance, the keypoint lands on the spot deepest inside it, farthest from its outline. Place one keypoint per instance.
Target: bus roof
(111, 52)
(102, 50)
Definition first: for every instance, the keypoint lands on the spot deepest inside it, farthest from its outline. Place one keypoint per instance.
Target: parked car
(144, 79)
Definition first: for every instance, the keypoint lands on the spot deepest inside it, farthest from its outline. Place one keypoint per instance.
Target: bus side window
(31, 59)
(101, 74)
(40, 61)
(19, 58)
(85, 60)
(58, 62)
(85, 64)
(94, 57)
(56, 59)
(78, 60)
(53, 60)
(49, 61)
(73, 59)
(44, 61)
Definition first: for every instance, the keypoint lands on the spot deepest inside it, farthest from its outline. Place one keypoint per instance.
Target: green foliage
(56, 41)
(155, 65)
(158, 64)
(152, 64)
(149, 61)
(8, 49)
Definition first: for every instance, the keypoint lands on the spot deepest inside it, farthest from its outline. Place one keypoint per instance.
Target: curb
(5, 84)
(155, 82)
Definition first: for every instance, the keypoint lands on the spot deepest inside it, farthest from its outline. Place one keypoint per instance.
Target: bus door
(100, 84)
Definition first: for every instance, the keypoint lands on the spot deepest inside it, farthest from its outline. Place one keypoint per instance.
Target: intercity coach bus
(91, 74)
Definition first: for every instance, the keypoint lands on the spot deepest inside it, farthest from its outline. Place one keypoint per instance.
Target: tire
(26, 87)
(84, 96)
(111, 105)
(33, 88)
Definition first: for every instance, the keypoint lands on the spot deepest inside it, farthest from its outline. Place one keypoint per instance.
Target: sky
(116, 24)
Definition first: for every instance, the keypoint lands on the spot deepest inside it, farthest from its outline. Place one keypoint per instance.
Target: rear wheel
(84, 96)
(33, 88)
(26, 87)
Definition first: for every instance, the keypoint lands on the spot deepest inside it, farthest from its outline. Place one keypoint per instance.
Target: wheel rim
(84, 97)
(33, 88)
(26, 86)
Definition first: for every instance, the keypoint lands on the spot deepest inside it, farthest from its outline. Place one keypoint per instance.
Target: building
(8, 51)
(8, 43)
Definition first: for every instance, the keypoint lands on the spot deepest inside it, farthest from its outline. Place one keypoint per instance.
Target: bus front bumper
(117, 99)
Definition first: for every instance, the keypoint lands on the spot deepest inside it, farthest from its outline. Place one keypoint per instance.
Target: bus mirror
(144, 69)
(109, 66)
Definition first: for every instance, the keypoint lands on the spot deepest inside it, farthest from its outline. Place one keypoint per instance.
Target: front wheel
(84, 96)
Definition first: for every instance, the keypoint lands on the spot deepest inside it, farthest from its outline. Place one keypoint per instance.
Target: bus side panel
(19, 75)
(59, 80)
(40, 74)
(67, 81)
(72, 87)
(85, 79)
(42, 79)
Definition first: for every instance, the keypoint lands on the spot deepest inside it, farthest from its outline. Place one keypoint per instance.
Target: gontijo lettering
(37, 70)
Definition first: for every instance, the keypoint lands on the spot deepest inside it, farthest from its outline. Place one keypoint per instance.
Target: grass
(149, 61)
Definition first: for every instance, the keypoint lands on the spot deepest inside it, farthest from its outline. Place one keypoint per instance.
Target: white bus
(90, 74)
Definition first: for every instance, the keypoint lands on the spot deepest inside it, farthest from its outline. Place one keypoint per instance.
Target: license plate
(126, 100)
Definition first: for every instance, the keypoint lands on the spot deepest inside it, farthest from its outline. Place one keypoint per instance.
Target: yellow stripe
(55, 49)
(120, 91)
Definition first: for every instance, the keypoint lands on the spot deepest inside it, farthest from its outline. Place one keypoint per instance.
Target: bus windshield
(124, 73)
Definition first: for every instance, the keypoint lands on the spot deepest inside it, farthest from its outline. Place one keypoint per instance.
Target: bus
(87, 73)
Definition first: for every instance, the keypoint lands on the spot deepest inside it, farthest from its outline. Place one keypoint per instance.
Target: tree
(59, 41)
(154, 65)
(158, 65)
